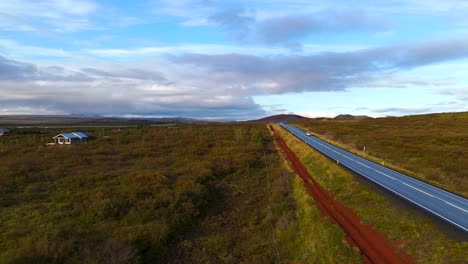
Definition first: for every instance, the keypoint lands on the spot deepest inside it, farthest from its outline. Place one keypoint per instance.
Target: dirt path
(373, 246)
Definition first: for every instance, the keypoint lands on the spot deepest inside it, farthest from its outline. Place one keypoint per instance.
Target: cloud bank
(218, 86)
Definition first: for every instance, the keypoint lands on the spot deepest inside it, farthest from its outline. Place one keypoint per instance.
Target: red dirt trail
(373, 246)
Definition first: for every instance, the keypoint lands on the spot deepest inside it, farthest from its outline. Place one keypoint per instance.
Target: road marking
(312, 140)
(466, 211)
(393, 178)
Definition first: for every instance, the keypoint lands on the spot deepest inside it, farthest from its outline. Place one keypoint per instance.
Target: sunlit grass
(411, 233)
(428, 147)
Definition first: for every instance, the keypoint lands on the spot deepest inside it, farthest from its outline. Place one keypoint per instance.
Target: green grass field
(429, 147)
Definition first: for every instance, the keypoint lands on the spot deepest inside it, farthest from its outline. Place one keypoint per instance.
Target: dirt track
(374, 246)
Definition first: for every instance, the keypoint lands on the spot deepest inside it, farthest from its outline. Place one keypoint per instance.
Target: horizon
(209, 119)
(233, 60)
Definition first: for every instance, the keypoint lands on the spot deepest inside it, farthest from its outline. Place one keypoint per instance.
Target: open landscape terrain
(235, 131)
(218, 193)
(429, 147)
(414, 234)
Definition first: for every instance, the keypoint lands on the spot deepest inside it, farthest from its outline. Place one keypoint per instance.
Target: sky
(233, 60)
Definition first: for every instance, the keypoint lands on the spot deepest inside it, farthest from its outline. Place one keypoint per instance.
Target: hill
(279, 118)
(71, 120)
(351, 117)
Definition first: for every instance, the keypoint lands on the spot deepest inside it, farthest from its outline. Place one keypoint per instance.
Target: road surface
(449, 207)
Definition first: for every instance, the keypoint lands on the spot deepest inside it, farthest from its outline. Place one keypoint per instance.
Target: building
(71, 138)
(4, 131)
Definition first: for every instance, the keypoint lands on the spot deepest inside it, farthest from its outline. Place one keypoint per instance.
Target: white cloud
(219, 85)
(116, 90)
(135, 53)
(315, 114)
(20, 51)
(49, 8)
(48, 15)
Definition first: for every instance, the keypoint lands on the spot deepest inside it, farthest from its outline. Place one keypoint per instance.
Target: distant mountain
(279, 118)
(42, 120)
(351, 117)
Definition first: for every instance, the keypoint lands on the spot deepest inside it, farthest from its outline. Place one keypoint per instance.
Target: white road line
(305, 138)
(466, 211)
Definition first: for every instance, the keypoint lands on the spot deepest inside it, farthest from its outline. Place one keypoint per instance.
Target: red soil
(373, 246)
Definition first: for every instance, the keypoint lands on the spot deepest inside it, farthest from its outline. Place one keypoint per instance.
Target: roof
(5, 130)
(73, 135)
(80, 134)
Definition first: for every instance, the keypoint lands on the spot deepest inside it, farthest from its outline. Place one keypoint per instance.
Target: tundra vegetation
(182, 194)
(198, 193)
(430, 147)
(408, 230)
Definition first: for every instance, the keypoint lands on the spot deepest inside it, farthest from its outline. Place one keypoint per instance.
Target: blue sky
(234, 60)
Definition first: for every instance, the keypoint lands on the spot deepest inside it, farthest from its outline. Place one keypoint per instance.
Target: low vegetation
(411, 233)
(429, 147)
(201, 193)
(268, 216)
(190, 193)
(130, 192)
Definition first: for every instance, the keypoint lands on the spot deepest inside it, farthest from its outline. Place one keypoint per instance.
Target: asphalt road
(449, 207)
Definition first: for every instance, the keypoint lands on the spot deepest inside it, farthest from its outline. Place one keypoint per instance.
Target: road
(445, 205)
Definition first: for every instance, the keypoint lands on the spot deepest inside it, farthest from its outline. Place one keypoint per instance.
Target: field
(218, 193)
(190, 193)
(410, 232)
(429, 147)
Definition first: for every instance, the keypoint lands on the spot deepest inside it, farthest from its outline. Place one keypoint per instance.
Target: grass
(312, 238)
(429, 147)
(134, 192)
(411, 233)
(318, 240)
(268, 220)
(198, 194)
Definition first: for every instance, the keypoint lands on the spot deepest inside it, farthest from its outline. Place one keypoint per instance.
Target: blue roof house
(4, 131)
(71, 138)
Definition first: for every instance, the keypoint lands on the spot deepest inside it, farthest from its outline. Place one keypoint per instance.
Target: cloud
(235, 19)
(294, 27)
(461, 93)
(393, 81)
(267, 24)
(321, 72)
(48, 15)
(402, 110)
(18, 50)
(10, 23)
(432, 52)
(116, 90)
(128, 73)
(216, 85)
(14, 70)
(11, 70)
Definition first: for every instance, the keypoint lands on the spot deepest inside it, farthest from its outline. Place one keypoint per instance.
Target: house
(71, 138)
(4, 131)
